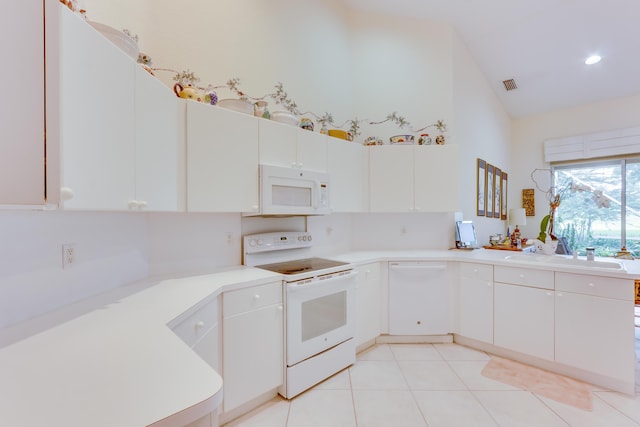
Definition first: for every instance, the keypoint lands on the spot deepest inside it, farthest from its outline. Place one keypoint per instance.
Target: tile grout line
(475, 397)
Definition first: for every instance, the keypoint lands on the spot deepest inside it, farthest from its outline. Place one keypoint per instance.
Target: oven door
(320, 314)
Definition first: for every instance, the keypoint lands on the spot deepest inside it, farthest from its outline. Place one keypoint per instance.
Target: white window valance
(600, 144)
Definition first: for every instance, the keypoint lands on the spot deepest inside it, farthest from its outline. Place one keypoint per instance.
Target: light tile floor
(431, 385)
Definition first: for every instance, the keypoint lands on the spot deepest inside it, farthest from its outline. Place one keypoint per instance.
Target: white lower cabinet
(199, 329)
(475, 301)
(253, 343)
(368, 303)
(419, 298)
(524, 319)
(595, 325)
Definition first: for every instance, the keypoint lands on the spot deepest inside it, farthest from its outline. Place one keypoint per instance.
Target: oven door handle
(317, 283)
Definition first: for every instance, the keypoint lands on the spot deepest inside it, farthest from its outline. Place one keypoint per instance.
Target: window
(600, 205)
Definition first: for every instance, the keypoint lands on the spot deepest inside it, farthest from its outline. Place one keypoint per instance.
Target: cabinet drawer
(524, 276)
(600, 286)
(197, 322)
(243, 300)
(476, 271)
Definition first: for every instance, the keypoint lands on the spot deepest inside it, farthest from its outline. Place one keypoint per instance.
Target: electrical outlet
(229, 238)
(68, 255)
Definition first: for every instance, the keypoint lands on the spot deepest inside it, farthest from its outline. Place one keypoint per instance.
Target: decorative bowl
(285, 117)
(342, 134)
(236, 105)
(372, 140)
(401, 139)
(127, 44)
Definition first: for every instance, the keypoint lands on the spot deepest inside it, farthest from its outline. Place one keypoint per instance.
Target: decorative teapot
(188, 92)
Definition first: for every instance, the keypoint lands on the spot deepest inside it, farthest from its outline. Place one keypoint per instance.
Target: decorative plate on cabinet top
(237, 105)
(401, 139)
(126, 43)
(285, 117)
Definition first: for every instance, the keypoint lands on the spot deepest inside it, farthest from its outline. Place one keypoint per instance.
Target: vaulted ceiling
(542, 45)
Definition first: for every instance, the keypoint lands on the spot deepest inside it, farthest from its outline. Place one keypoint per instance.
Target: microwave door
(290, 196)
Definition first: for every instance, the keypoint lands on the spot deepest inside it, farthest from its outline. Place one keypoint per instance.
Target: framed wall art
(481, 187)
(497, 191)
(490, 194)
(529, 202)
(503, 195)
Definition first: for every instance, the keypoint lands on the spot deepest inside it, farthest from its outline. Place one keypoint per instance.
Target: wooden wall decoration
(528, 202)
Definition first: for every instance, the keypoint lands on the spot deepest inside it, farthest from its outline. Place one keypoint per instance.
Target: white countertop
(113, 361)
(118, 364)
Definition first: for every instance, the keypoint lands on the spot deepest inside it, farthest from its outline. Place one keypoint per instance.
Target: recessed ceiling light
(593, 59)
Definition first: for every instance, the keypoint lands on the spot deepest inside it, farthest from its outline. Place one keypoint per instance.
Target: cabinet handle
(142, 204)
(549, 294)
(66, 193)
(256, 297)
(559, 295)
(592, 285)
(294, 165)
(489, 284)
(280, 307)
(475, 270)
(133, 204)
(522, 276)
(255, 208)
(199, 324)
(300, 165)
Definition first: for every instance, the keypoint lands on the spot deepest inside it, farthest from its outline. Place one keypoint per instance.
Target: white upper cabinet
(348, 169)
(436, 178)
(115, 134)
(222, 160)
(159, 146)
(291, 146)
(22, 147)
(391, 179)
(97, 118)
(411, 178)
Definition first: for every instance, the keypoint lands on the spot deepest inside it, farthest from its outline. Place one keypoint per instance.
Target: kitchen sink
(564, 261)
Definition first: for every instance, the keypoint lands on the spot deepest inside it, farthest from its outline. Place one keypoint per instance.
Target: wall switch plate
(68, 255)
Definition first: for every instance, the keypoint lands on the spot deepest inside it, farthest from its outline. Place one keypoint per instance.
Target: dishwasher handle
(418, 266)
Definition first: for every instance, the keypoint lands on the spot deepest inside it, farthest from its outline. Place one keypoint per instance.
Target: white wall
(530, 133)
(110, 249)
(482, 129)
(363, 66)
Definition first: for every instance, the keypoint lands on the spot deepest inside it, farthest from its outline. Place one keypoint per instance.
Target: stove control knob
(260, 242)
(252, 242)
(309, 238)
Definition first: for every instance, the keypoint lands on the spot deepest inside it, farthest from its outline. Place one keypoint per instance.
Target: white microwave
(288, 191)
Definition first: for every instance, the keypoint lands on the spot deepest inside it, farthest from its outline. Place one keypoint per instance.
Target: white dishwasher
(419, 298)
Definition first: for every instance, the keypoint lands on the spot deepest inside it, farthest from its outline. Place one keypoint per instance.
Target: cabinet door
(160, 151)
(391, 179)
(475, 302)
(253, 350)
(222, 160)
(348, 168)
(524, 319)
(22, 118)
(277, 144)
(208, 348)
(419, 298)
(436, 178)
(311, 150)
(368, 303)
(97, 118)
(595, 334)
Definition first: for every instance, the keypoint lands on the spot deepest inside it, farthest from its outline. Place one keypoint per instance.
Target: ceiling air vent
(510, 84)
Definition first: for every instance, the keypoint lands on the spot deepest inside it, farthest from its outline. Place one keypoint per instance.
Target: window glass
(632, 211)
(590, 211)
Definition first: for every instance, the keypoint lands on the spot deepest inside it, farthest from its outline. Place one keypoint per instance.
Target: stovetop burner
(299, 266)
